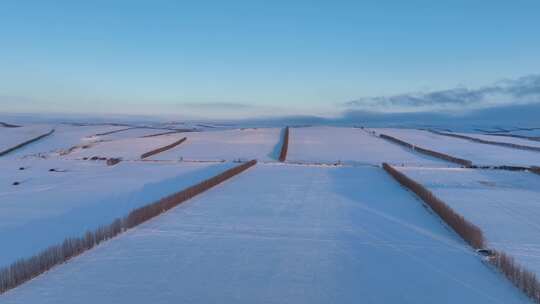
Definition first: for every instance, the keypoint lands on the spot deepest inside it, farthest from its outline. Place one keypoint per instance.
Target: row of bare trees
(166, 133)
(114, 131)
(26, 269)
(488, 142)
(2, 153)
(467, 230)
(535, 170)
(446, 157)
(523, 279)
(285, 146)
(164, 148)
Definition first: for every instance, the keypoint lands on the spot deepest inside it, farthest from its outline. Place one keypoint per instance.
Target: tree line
(446, 157)
(285, 146)
(162, 149)
(523, 279)
(25, 269)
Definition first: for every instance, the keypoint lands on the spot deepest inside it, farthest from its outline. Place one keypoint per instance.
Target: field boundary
(487, 142)
(24, 270)
(169, 132)
(284, 146)
(446, 157)
(8, 125)
(2, 153)
(531, 138)
(518, 275)
(115, 131)
(163, 149)
(465, 229)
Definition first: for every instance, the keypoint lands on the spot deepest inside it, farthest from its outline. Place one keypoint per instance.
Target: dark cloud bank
(524, 90)
(510, 103)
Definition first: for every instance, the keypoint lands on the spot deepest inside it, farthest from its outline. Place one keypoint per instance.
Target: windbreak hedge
(26, 269)
(2, 153)
(285, 146)
(488, 142)
(523, 279)
(446, 157)
(162, 149)
(467, 230)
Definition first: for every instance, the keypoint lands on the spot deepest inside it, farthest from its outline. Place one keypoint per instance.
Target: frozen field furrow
(282, 234)
(479, 154)
(350, 145)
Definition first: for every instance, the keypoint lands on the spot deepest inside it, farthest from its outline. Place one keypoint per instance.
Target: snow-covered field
(47, 207)
(262, 144)
(11, 137)
(504, 204)
(124, 133)
(504, 139)
(303, 231)
(64, 138)
(349, 145)
(282, 234)
(532, 132)
(126, 149)
(479, 154)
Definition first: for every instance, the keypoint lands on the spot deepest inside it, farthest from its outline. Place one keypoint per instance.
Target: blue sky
(254, 57)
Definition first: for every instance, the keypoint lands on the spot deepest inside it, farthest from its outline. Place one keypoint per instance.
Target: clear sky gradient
(283, 57)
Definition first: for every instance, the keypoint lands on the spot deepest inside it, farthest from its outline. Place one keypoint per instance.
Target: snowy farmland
(126, 149)
(49, 206)
(479, 154)
(282, 234)
(326, 225)
(226, 145)
(261, 144)
(350, 146)
(11, 137)
(504, 139)
(506, 205)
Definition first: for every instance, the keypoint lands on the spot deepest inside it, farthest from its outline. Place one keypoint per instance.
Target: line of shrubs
(285, 146)
(8, 125)
(489, 142)
(523, 279)
(535, 170)
(467, 230)
(25, 269)
(165, 148)
(503, 167)
(2, 153)
(114, 131)
(163, 133)
(460, 161)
